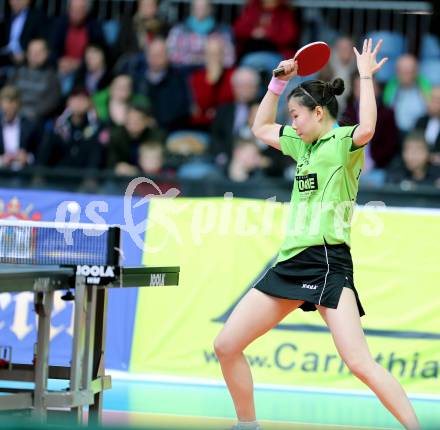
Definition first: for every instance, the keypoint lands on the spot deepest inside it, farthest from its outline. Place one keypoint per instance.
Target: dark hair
(10, 93)
(416, 135)
(101, 48)
(79, 90)
(141, 104)
(40, 39)
(319, 93)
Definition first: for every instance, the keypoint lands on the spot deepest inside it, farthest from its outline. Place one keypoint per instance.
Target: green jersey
(324, 191)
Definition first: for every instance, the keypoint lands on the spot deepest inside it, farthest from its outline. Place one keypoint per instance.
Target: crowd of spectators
(155, 97)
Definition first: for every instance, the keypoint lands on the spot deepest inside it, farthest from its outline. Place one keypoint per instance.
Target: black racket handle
(278, 71)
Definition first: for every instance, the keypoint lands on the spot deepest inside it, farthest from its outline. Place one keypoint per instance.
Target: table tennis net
(31, 242)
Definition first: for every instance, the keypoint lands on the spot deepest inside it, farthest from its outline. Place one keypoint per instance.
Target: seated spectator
(276, 163)
(231, 117)
(151, 159)
(18, 134)
(77, 140)
(166, 88)
(18, 29)
(38, 83)
(266, 26)
(342, 65)
(187, 40)
(138, 31)
(384, 144)
(152, 163)
(160, 82)
(112, 103)
(247, 161)
(70, 37)
(407, 93)
(125, 140)
(414, 168)
(430, 125)
(211, 86)
(93, 73)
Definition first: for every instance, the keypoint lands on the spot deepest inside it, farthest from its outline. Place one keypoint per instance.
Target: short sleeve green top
(324, 191)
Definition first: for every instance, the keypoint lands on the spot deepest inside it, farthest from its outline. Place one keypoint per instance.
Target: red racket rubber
(311, 58)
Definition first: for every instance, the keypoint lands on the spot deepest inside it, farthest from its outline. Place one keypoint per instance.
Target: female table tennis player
(314, 270)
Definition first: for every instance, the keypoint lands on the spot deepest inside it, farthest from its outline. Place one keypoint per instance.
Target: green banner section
(224, 245)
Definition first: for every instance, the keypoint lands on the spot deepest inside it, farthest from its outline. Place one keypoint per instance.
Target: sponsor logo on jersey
(307, 182)
(309, 286)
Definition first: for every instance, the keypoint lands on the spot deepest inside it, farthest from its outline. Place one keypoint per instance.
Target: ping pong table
(88, 286)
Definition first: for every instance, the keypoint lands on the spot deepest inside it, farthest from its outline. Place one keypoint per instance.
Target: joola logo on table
(95, 274)
(307, 182)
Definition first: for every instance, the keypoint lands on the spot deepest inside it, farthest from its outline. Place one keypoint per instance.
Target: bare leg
(254, 315)
(345, 326)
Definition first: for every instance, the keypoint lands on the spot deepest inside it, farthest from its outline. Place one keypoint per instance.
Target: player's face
(304, 121)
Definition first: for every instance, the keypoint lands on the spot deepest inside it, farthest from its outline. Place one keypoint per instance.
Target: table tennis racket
(311, 58)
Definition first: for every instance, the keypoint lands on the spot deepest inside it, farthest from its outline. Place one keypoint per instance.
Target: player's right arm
(265, 128)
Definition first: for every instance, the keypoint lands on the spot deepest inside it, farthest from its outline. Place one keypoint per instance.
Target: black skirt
(316, 275)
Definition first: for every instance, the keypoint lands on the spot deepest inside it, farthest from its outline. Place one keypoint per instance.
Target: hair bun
(337, 86)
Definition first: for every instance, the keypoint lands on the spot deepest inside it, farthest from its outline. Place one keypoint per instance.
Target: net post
(113, 246)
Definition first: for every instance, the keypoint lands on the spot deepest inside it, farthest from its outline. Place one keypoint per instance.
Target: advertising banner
(225, 245)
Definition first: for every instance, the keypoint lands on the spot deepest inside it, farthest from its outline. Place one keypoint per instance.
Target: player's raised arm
(367, 66)
(265, 128)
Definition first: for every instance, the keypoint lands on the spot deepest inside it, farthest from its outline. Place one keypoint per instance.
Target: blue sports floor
(197, 405)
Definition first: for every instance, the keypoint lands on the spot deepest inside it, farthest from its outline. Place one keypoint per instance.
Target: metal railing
(106, 182)
(391, 13)
(102, 9)
(351, 17)
(346, 15)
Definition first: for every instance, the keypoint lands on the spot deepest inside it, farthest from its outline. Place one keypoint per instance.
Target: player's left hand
(366, 61)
